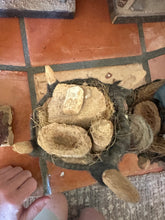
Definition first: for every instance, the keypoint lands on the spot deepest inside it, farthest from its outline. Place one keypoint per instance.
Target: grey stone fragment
(32, 7)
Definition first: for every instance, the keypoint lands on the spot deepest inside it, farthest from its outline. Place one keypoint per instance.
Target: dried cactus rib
(102, 132)
(120, 185)
(149, 111)
(64, 140)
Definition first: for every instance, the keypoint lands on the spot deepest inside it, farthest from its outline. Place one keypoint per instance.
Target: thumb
(33, 210)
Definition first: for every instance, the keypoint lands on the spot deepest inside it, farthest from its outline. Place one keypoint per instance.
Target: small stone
(62, 174)
(73, 101)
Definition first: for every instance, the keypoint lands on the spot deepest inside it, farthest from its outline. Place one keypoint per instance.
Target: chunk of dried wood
(102, 132)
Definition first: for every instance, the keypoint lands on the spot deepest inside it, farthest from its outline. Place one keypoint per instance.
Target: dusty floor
(87, 41)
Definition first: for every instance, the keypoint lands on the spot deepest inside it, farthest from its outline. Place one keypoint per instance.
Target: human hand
(16, 185)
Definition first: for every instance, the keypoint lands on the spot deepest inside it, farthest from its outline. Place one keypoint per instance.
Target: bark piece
(6, 133)
(120, 185)
(23, 147)
(64, 140)
(102, 132)
(95, 106)
(73, 101)
(149, 111)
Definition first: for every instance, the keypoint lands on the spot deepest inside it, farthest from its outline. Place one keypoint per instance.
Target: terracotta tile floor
(157, 67)
(88, 37)
(11, 49)
(154, 35)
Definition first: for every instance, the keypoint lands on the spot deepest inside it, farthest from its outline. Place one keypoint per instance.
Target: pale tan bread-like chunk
(120, 185)
(102, 132)
(24, 147)
(73, 101)
(95, 106)
(64, 140)
(50, 75)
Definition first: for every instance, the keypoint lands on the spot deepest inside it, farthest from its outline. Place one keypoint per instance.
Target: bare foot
(90, 214)
(58, 205)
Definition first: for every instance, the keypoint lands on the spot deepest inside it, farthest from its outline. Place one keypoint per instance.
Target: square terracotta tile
(11, 49)
(14, 91)
(157, 67)
(89, 36)
(154, 35)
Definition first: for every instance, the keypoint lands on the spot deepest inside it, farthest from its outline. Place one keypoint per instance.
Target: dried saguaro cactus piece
(23, 147)
(141, 133)
(149, 111)
(95, 106)
(50, 75)
(64, 140)
(73, 100)
(102, 132)
(6, 133)
(120, 185)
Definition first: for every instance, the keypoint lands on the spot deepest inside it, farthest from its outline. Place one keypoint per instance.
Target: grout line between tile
(147, 69)
(155, 53)
(32, 88)
(141, 37)
(24, 41)
(97, 63)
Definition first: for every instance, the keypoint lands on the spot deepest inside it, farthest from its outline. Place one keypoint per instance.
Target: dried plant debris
(101, 132)
(23, 147)
(141, 133)
(149, 111)
(94, 106)
(64, 140)
(121, 186)
(6, 133)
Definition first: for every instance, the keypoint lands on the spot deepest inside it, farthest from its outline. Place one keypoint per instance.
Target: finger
(5, 169)
(11, 173)
(26, 189)
(34, 209)
(19, 179)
